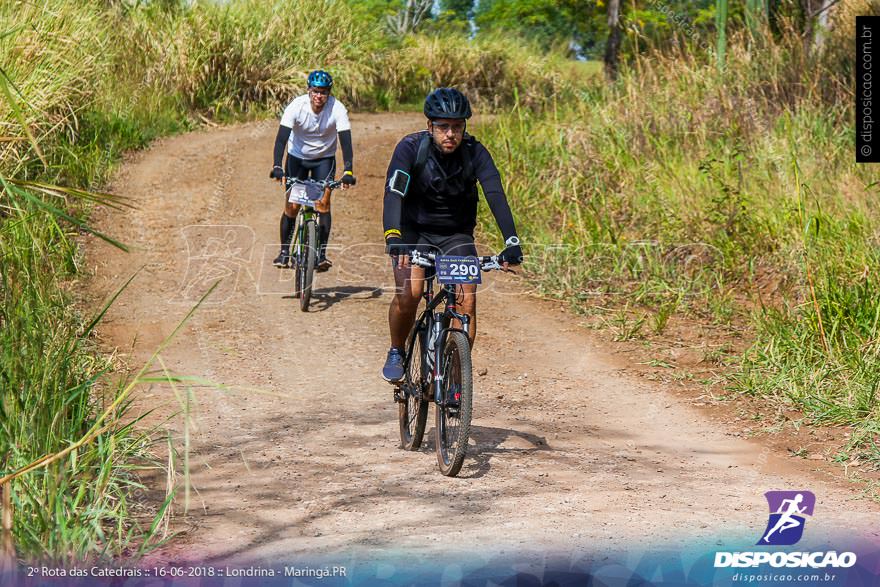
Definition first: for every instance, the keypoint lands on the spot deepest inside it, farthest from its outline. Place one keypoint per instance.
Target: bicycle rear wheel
(453, 414)
(305, 269)
(412, 409)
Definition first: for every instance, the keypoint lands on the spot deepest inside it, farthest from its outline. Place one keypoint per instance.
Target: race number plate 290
(457, 270)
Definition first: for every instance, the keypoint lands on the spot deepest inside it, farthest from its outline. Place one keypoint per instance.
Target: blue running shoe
(392, 372)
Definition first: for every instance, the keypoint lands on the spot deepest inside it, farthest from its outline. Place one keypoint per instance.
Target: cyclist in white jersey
(309, 129)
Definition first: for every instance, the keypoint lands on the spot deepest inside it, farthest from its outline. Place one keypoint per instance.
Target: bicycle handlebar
(487, 262)
(332, 184)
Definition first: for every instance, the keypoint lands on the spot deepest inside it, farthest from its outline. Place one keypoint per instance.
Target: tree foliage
(583, 24)
(550, 23)
(580, 27)
(457, 9)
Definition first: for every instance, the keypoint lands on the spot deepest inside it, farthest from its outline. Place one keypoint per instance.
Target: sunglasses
(319, 91)
(446, 128)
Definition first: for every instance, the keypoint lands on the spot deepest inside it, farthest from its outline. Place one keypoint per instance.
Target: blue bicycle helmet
(447, 103)
(320, 79)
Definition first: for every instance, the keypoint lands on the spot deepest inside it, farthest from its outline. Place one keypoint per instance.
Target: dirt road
(298, 456)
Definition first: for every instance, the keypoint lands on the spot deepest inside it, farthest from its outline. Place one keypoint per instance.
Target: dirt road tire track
(571, 454)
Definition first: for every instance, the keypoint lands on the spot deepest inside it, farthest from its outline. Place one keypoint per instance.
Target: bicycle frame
(304, 215)
(430, 318)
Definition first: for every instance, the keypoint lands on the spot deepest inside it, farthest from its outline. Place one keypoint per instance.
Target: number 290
(464, 270)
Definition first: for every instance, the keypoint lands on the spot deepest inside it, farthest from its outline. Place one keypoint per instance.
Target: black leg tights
(324, 223)
(287, 224)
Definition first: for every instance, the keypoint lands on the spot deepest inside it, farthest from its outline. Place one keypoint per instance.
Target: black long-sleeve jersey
(442, 200)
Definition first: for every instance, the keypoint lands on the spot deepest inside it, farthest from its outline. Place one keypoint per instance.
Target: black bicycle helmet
(447, 103)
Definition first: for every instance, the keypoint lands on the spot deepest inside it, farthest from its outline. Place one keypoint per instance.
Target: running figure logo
(787, 510)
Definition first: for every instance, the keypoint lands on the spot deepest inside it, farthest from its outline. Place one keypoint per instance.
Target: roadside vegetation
(82, 83)
(679, 189)
(729, 195)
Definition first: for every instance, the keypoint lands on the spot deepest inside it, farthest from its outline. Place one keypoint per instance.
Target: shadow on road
(485, 444)
(324, 298)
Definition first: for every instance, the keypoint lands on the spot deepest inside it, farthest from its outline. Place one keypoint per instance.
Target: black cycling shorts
(318, 169)
(460, 244)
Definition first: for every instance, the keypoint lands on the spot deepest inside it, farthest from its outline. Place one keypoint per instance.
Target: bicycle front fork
(435, 348)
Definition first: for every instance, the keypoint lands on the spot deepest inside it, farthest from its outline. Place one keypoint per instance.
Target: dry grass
(687, 186)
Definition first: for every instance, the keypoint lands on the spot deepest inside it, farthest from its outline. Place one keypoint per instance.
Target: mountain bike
(437, 362)
(311, 195)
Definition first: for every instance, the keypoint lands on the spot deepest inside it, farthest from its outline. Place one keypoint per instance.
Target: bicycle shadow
(486, 443)
(326, 297)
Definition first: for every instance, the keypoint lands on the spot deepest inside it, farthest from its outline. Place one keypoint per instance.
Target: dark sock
(287, 224)
(324, 223)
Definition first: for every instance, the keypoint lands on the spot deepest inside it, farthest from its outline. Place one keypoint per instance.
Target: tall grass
(48, 377)
(232, 56)
(728, 195)
(249, 54)
(81, 83)
(495, 72)
(47, 55)
(77, 507)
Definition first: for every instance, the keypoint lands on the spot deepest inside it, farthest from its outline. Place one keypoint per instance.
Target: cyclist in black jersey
(431, 204)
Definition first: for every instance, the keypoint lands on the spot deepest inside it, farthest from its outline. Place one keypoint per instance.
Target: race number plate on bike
(305, 194)
(457, 270)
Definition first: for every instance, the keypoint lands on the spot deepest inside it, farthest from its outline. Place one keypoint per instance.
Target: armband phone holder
(399, 183)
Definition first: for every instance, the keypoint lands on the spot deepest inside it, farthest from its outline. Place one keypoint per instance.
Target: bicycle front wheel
(305, 269)
(296, 255)
(453, 413)
(412, 411)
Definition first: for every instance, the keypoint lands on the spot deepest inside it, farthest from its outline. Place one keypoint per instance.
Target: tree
(409, 17)
(375, 10)
(816, 19)
(612, 47)
(822, 23)
(721, 27)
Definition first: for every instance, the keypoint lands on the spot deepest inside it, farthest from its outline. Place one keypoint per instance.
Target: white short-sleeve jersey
(314, 135)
